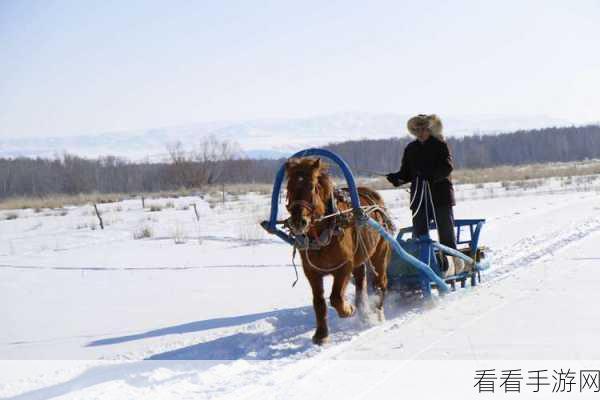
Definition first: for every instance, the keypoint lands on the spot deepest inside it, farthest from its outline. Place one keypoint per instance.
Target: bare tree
(215, 161)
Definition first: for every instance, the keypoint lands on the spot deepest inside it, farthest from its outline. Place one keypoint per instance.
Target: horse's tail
(371, 194)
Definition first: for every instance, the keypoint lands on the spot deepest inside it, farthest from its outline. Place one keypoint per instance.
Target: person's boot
(442, 262)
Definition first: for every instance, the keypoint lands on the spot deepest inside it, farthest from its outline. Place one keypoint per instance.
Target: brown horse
(309, 189)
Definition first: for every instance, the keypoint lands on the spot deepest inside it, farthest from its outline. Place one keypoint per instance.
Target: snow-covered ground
(219, 290)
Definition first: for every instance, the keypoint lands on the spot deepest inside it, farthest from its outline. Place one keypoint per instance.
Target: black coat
(430, 160)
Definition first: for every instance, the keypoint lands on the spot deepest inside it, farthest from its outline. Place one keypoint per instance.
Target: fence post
(196, 212)
(99, 216)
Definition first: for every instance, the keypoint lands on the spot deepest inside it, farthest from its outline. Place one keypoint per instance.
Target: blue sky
(85, 67)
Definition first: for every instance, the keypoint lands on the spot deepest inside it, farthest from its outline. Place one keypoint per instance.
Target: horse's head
(307, 189)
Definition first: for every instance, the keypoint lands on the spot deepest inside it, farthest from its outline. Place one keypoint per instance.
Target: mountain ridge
(264, 138)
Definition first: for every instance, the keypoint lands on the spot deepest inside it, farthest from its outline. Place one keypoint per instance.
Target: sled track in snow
(535, 247)
(286, 334)
(306, 360)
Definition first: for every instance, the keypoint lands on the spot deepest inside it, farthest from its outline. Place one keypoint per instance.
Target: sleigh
(406, 278)
(415, 266)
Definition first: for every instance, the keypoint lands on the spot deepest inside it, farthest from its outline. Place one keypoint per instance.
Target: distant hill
(261, 138)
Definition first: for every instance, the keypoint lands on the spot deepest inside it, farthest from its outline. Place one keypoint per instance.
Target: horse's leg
(380, 261)
(320, 306)
(360, 282)
(340, 280)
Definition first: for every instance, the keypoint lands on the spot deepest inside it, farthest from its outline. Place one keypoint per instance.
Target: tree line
(480, 151)
(214, 162)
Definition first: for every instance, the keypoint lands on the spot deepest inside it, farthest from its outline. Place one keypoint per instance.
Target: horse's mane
(325, 187)
(326, 184)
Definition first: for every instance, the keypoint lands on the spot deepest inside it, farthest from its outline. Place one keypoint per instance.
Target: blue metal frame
(428, 248)
(427, 274)
(474, 225)
(281, 175)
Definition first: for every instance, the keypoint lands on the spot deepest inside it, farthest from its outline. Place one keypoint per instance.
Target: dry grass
(237, 189)
(143, 232)
(179, 233)
(59, 201)
(11, 215)
(91, 224)
(213, 193)
(526, 172)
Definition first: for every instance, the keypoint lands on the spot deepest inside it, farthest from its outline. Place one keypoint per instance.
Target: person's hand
(391, 179)
(394, 180)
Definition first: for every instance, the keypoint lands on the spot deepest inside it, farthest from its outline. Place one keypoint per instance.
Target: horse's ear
(290, 162)
(317, 164)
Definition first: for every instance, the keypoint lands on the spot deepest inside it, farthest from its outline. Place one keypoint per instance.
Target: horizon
(82, 69)
(553, 123)
(153, 146)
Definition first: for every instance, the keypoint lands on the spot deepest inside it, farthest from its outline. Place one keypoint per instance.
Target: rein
(305, 243)
(302, 204)
(341, 219)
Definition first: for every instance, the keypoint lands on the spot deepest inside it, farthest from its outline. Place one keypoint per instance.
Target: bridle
(310, 207)
(303, 204)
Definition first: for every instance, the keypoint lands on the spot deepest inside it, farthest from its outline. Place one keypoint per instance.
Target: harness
(341, 219)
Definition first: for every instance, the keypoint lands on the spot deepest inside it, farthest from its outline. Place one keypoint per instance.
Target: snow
(90, 313)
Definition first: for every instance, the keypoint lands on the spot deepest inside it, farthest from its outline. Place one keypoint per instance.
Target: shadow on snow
(281, 334)
(187, 328)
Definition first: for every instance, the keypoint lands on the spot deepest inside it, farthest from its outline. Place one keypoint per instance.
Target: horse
(347, 248)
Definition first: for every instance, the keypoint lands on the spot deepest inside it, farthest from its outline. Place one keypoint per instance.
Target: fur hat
(423, 121)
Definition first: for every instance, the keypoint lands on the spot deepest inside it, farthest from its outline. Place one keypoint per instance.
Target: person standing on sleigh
(427, 165)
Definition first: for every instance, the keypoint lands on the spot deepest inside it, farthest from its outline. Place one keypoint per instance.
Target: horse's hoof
(380, 315)
(352, 312)
(320, 340)
(348, 312)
